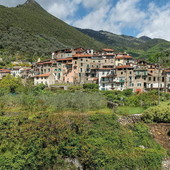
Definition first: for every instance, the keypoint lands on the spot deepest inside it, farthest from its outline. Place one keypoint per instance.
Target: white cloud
(106, 15)
(11, 3)
(157, 23)
(113, 18)
(64, 9)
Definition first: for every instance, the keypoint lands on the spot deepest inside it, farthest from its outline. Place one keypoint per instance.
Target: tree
(10, 83)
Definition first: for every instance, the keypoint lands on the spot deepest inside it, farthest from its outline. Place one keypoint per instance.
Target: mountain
(143, 46)
(29, 30)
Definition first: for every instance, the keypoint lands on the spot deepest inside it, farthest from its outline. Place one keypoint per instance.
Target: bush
(158, 114)
(91, 86)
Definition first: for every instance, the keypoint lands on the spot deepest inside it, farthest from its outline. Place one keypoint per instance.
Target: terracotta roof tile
(106, 49)
(65, 59)
(82, 55)
(167, 71)
(43, 75)
(124, 66)
(123, 57)
(5, 71)
(106, 69)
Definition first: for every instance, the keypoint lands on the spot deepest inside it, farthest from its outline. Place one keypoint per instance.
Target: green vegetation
(29, 31)
(143, 47)
(127, 98)
(128, 110)
(40, 128)
(158, 114)
(44, 140)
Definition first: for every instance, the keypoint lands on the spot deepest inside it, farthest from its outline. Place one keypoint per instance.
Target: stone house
(123, 59)
(155, 79)
(47, 79)
(106, 76)
(4, 72)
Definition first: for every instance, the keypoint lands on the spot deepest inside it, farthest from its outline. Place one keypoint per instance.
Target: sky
(129, 17)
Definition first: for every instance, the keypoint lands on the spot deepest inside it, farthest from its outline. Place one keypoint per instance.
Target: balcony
(106, 80)
(119, 81)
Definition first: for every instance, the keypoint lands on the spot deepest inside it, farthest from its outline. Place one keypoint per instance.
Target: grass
(101, 111)
(128, 110)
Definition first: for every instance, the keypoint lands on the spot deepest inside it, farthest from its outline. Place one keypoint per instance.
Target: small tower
(38, 60)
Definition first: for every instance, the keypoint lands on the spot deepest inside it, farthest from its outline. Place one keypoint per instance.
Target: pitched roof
(82, 55)
(48, 62)
(107, 49)
(65, 59)
(106, 69)
(43, 75)
(124, 57)
(5, 71)
(124, 66)
(167, 71)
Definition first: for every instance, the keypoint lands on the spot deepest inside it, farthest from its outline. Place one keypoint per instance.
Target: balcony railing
(106, 81)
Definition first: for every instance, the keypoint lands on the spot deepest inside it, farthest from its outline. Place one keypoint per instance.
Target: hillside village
(110, 70)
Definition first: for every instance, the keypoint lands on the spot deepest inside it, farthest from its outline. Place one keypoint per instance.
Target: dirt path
(161, 133)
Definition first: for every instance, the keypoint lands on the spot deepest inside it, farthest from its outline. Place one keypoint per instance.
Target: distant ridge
(143, 46)
(29, 31)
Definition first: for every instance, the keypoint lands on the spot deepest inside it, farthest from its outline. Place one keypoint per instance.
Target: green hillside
(29, 30)
(143, 46)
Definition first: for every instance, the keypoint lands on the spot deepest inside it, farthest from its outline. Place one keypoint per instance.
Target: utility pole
(158, 80)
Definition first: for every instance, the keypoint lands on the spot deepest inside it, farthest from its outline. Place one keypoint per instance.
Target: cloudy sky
(129, 17)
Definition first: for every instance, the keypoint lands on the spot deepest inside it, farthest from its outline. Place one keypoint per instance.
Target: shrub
(91, 86)
(159, 113)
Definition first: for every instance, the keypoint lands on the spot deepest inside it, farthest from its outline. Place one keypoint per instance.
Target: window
(131, 84)
(121, 72)
(130, 72)
(138, 73)
(154, 79)
(139, 84)
(59, 75)
(149, 78)
(81, 64)
(81, 70)
(49, 70)
(81, 59)
(75, 62)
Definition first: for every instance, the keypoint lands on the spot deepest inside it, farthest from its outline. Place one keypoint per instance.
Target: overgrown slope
(29, 29)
